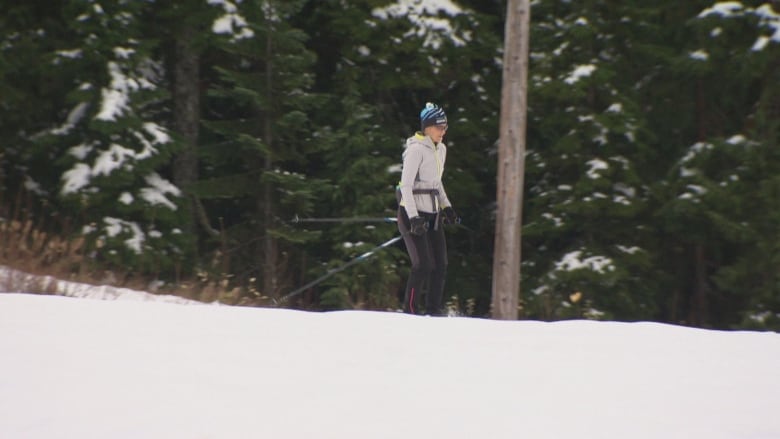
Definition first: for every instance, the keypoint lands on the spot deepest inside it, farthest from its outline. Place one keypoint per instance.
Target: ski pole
(333, 271)
(387, 219)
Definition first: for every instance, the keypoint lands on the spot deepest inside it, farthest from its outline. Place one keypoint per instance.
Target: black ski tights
(428, 254)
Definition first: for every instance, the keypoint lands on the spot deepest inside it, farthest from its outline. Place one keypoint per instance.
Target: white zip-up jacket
(423, 166)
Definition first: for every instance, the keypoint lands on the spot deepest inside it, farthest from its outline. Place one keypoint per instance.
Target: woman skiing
(422, 208)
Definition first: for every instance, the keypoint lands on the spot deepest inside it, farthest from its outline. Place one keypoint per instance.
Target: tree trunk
(511, 162)
(186, 118)
(270, 279)
(699, 313)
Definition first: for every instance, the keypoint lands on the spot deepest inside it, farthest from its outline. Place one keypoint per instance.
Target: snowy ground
(86, 368)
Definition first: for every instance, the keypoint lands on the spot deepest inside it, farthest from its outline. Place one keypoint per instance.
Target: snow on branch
(231, 22)
(573, 261)
(426, 21)
(767, 18)
(579, 72)
(595, 166)
(158, 188)
(115, 226)
(118, 157)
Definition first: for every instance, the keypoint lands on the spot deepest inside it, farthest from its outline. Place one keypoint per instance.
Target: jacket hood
(421, 139)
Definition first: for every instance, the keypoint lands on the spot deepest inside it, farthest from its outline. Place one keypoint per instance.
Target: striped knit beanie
(432, 114)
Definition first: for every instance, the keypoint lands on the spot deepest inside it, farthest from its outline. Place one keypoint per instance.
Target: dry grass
(29, 249)
(40, 248)
(39, 259)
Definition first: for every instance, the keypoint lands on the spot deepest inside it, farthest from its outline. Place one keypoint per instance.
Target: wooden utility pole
(511, 162)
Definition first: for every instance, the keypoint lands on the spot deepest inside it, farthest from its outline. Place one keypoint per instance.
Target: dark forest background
(169, 145)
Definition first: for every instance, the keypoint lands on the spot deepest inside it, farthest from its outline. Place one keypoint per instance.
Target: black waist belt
(434, 193)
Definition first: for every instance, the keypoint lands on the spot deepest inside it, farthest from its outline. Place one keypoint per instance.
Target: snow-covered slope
(81, 368)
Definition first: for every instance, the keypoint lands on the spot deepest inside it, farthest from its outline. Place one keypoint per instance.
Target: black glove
(450, 217)
(419, 225)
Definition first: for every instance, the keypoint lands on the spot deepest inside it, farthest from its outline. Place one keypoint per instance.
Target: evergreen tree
(31, 97)
(109, 148)
(257, 176)
(587, 192)
(719, 196)
(353, 158)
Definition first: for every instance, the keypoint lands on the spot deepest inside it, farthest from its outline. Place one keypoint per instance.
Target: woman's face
(436, 132)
